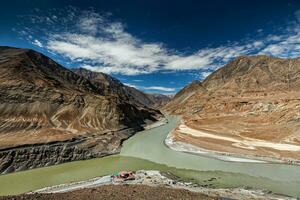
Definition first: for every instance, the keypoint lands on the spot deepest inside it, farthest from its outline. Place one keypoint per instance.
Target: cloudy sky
(156, 46)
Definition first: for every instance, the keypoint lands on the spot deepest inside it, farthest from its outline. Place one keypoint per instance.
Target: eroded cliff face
(84, 147)
(49, 114)
(251, 98)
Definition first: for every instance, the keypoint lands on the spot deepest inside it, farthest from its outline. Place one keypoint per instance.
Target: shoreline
(125, 134)
(203, 184)
(160, 122)
(224, 156)
(157, 179)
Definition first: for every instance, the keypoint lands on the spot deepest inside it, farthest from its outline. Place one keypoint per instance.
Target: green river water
(146, 150)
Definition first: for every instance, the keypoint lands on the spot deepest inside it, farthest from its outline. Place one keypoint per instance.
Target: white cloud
(164, 89)
(286, 44)
(205, 74)
(125, 54)
(105, 46)
(89, 23)
(102, 45)
(131, 85)
(152, 88)
(273, 49)
(109, 70)
(36, 42)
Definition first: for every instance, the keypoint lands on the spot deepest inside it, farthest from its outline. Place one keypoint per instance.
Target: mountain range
(51, 114)
(110, 85)
(248, 107)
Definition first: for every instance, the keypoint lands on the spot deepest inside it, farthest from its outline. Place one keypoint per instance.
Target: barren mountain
(49, 114)
(158, 99)
(112, 86)
(251, 106)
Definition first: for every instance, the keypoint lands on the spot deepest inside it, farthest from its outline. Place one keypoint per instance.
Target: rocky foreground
(145, 185)
(120, 192)
(250, 107)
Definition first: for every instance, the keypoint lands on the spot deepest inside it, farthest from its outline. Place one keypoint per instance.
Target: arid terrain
(145, 184)
(121, 192)
(250, 107)
(51, 115)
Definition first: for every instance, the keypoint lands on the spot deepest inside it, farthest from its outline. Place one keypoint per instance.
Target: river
(146, 150)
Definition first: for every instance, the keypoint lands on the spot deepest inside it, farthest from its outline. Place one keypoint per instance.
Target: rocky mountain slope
(111, 86)
(50, 115)
(253, 101)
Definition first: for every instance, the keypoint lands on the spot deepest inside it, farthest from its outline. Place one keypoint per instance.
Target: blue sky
(156, 46)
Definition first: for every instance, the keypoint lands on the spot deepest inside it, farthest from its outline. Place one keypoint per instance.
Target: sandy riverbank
(242, 143)
(162, 121)
(157, 179)
(189, 148)
(179, 138)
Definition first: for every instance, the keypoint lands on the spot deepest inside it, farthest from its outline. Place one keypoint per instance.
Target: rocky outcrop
(43, 103)
(39, 155)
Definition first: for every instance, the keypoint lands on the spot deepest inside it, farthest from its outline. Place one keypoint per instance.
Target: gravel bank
(160, 180)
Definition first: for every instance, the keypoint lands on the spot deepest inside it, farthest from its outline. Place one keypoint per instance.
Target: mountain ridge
(113, 86)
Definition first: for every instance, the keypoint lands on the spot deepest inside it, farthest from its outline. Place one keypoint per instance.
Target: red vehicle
(123, 176)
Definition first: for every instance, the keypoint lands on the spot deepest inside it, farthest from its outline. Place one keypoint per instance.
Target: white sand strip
(159, 123)
(184, 129)
(249, 144)
(189, 148)
(77, 185)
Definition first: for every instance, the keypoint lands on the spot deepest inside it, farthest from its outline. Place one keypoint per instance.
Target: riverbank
(184, 139)
(160, 122)
(162, 181)
(83, 147)
(146, 151)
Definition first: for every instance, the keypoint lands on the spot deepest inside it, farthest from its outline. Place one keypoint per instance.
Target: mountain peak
(256, 72)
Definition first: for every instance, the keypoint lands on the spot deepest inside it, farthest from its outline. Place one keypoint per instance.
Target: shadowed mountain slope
(46, 107)
(112, 86)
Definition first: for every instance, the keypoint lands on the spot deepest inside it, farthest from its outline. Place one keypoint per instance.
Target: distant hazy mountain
(50, 114)
(111, 86)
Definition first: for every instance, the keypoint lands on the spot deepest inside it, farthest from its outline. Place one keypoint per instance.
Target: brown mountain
(51, 115)
(184, 94)
(159, 100)
(111, 86)
(253, 101)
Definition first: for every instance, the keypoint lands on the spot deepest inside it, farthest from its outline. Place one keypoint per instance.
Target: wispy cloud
(131, 85)
(164, 89)
(37, 43)
(100, 44)
(152, 88)
(205, 74)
